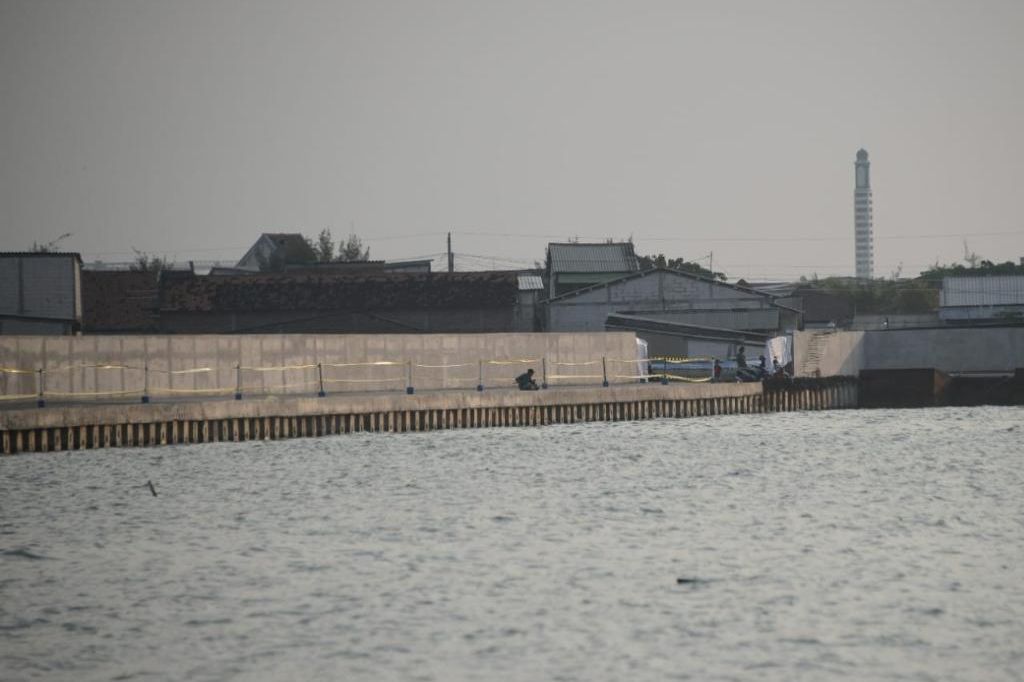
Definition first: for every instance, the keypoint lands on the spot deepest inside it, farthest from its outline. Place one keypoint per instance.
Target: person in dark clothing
(525, 381)
(741, 358)
(718, 370)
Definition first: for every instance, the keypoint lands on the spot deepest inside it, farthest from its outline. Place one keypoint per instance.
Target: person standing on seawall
(718, 371)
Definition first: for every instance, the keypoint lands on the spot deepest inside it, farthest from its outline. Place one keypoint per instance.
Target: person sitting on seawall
(525, 381)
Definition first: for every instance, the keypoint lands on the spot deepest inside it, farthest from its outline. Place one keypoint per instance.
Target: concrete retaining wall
(183, 366)
(990, 349)
(93, 426)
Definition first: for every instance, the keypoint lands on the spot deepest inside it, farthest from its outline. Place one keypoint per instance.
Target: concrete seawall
(93, 426)
(102, 368)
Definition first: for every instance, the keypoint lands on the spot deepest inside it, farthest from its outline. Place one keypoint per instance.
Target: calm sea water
(859, 545)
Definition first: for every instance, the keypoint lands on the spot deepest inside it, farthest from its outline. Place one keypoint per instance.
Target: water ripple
(882, 545)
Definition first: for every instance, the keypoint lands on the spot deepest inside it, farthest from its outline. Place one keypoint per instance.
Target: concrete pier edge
(74, 427)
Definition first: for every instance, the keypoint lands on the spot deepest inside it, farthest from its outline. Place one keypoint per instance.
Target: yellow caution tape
(191, 390)
(76, 394)
(197, 370)
(69, 368)
(462, 364)
(511, 362)
(575, 376)
(15, 370)
(576, 364)
(379, 363)
(673, 377)
(360, 381)
(19, 396)
(276, 369)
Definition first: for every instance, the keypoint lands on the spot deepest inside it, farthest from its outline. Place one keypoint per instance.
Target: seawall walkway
(78, 427)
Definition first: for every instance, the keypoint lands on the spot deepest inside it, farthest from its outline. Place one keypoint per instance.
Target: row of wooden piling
(237, 429)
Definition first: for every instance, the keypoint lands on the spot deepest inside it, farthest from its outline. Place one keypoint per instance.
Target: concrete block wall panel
(991, 349)
(222, 353)
(840, 353)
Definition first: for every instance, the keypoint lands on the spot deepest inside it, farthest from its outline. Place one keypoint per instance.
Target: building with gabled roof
(276, 250)
(982, 299)
(667, 297)
(577, 265)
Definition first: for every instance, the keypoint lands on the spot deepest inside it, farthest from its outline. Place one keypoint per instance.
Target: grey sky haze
(187, 128)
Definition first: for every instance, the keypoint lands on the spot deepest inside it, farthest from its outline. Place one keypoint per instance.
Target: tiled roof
(118, 301)
(530, 282)
(296, 248)
(616, 257)
(41, 254)
(370, 291)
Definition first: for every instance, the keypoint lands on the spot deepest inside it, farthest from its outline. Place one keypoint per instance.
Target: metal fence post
(409, 390)
(604, 371)
(145, 382)
(480, 376)
(41, 388)
(238, 381)
(320, 377)
(544, 369)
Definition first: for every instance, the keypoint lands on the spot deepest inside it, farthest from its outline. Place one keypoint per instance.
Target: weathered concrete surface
(70, 361)
(292, 406)
(962, 350)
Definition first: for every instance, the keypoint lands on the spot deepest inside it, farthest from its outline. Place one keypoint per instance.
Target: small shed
(574, 265)
(40, 293)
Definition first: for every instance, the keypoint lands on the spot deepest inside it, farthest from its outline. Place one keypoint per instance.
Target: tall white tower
(862, 220)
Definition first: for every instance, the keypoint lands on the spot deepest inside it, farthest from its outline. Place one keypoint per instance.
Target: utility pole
(451, 256)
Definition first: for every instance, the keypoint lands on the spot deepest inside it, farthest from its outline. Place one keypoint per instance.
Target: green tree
(323, 247)
(152, 264)
(659, 261)
(352, 250)
(52, 246)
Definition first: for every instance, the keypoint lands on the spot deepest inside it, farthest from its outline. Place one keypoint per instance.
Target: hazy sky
(187, 128)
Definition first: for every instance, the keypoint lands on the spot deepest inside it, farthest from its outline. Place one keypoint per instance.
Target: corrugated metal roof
(41, 254)
(616, 257)
(530, 282)
(995, 290)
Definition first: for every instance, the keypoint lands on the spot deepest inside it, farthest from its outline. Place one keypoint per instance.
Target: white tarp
(778, 348)
(642, 368)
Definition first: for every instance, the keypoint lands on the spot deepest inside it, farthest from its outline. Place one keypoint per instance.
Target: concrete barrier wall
(77, 427)
(992, 349)
(196, 365)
